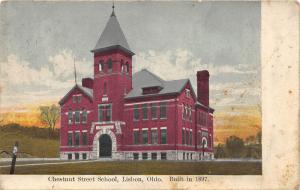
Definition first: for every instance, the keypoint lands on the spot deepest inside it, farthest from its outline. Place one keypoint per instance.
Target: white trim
(158, 101)
(70, 131)
(136, 129)
(163, 127)
(154, 128)
(143, 129)
(84, 131)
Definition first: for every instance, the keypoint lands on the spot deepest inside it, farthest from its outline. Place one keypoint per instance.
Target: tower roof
(112, 37)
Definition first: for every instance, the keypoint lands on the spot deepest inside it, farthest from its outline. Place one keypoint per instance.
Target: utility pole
(14, 158)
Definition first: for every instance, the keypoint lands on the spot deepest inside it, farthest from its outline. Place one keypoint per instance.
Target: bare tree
(49, 115)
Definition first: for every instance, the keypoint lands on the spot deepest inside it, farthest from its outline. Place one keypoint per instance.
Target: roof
(205, 107)
(145, 78)
(112, 37)
(87, 91)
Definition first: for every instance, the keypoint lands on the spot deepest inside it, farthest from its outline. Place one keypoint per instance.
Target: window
(153, 156)
(183, 136)
(154, 111)
(163, 156)
(135, 137)
(145, 111)
(84, 156)
(127, 67)
(183, 155)
(76, 98)
(122, 65)
(70, 139)
(109, 65)
(187, 156)
(77, 136)
(76, 156)
(187, 93)
(191, 156)
(191, 137)
(145, 136)
(104, 89)
(163, 136)
(84, 138)
(69, 156)
(84, 116)
(77, 116)
(186, 137)
(163, 111)
(135, 112)
(101, 65)
(145, 156)
(135, 156)
(199, 138)
(154, 136)
(70, 116)
(190, 113)
(105, 112)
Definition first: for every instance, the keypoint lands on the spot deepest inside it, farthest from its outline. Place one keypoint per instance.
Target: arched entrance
(105, 146)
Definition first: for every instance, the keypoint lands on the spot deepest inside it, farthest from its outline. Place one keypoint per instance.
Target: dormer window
(187, 93)
(101, 65)
(109, 65)
(151, 89)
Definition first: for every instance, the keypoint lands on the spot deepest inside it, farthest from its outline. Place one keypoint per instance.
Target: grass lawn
(33, 141)
(144, 168)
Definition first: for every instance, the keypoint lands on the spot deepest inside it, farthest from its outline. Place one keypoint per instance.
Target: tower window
(104, 88)
(105, 112)
(109, 65)
(101, 65)
(127, 67)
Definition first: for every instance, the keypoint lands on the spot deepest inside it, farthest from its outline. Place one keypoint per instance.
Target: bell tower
(112, 68)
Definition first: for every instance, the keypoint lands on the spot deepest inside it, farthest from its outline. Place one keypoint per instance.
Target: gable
(85, 91)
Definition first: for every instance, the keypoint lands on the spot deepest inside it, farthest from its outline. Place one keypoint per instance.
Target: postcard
(149, 95)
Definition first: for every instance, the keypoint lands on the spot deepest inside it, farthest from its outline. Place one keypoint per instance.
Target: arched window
(101, 65)
(104, 88)
(122, 65)
(127, 67)
(109, 64)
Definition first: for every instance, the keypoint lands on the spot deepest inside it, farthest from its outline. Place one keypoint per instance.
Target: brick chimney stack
(203, 87)
(88, 83)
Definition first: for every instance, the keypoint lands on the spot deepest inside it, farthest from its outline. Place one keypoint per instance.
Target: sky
(39, 41)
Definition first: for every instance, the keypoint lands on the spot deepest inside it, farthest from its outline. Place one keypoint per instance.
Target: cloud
(22, 83)
(182, 63)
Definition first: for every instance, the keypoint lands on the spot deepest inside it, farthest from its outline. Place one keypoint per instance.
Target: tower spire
(113, 9)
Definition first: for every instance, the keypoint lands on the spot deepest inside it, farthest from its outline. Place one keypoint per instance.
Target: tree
(49, 115)
(258, 137)
(234, 146)
(220, 151)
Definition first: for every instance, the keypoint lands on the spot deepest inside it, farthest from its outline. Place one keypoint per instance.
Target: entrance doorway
(105, 146)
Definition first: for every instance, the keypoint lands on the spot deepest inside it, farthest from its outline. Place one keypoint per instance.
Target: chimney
(203, 87)
(87, 82)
